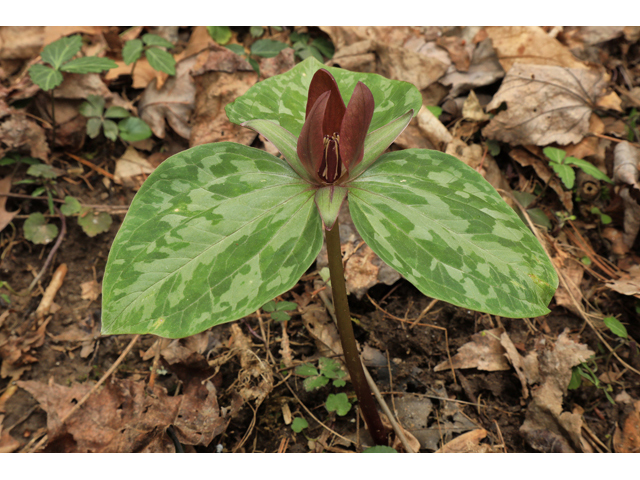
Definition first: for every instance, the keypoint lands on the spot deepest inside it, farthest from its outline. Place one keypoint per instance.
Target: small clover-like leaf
(299, 424)
(45, 77)
(331, 368)
(286, 306)
(93, 107)
(565, 172)
(161, 60)
(256, 31)
(71, 206)
(555, 154)
(94, 125)
(110, 130)
(313, 383)
(221, 35)
(280, 316)
(616, 327)
(156, 41)
(133, 129)
(117, 112)
(89, 65)
(306, 370)
(132, 51)
(269, 306)
(94, 223)
(61, 51)
(37, 230)
(236, 48)
(338, 403)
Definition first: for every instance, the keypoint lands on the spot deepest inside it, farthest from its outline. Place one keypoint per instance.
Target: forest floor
(455, 379)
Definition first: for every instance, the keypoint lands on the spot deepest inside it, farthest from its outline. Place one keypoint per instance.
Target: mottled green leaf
(37, 230)
(161, 60)
(214, 233)
(71, 206)
(156, 41)
(329, 199)
(45, 77)
(616, 327)
(93, 222)
(132, 51)
(220, 35)
(338, 403)
(61, 51)
(267, 48)
(283, 98)
(442, 226)
(134, 129)
(89, 65)
(93, 107)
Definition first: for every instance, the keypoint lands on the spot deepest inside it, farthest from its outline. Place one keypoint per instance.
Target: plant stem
(348, 340)
(53, 120)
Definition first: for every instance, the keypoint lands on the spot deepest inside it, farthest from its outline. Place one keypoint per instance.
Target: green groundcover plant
(219, 230)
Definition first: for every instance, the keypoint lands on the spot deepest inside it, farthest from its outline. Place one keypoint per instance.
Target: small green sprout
(299, 424)
(130, 129)
(562, 165)
(152, 47)
(279, 310)
(338, 403)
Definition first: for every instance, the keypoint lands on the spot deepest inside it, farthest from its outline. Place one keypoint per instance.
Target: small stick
(95, 387)
(91, 165)
(50, 292)
(54, 249)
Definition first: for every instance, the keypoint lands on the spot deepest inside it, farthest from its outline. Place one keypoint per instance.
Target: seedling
(318, 48)
(152, 47)
(616, 327)
(585, 372)
(279, 310)
(604, 218)
(338, 403)
(265, 48)
(130, 129)
(218, 230)
(58, 55)
(329, 369)
(562, 165)
(299, 424)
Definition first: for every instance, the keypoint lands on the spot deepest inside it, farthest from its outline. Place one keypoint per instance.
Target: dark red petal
(311, 141)
(355, 124)
(323, 82)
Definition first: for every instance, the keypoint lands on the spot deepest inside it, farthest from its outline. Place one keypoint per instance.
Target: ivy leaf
(338, 403)
(156, 40)
(89, 65)
(94, 223)
(37, 230)
(441, 225)
(133, 129)
(221, 35)
(214, 233)
(267, 48)
(161, 60)
(61, 51)
(132, 51)
(71, 206)
(45, 77)
(283, 98)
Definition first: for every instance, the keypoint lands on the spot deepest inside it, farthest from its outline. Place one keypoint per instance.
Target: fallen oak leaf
(5, 216)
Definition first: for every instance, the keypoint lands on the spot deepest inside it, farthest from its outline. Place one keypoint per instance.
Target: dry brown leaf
(527, 368)
(469, 443)
(546, 425)
(19, 132)
(628, 283)
(91, 290)
(53, 33)
(255, 379)
(545, 104)
(573, 272)
(472, 110)
(172, 103)
(142, 75)
(483, 352)
(433, 129)
(625, 171)
(458, 51)
(5, 217)
(599, 34)
(477, 158)
(21, 42)
(8, 444)
(122, 417)
(345, 36)
(322, 330)
(626, 438)
(484, 69)
(545, 173)
(530, 45)
(130, 167)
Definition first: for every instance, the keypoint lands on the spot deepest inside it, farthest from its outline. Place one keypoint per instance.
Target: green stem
(348, 340)
(53, 119)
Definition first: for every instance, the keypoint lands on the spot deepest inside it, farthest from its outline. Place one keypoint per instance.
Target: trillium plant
(219, 230)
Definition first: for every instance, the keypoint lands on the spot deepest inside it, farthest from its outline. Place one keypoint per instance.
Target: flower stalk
(348, 340)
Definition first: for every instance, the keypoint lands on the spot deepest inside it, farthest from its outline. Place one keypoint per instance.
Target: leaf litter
(479, 78)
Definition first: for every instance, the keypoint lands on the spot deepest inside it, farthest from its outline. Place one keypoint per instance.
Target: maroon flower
(331, 142)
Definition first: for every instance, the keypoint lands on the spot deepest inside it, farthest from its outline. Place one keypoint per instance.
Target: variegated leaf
(213, 234)
(442, 226)
(283, 98)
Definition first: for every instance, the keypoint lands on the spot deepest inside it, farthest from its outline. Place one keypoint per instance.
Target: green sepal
(212, 235)
(446, 230)
(283, 140)
(329, 199)
(379, 140)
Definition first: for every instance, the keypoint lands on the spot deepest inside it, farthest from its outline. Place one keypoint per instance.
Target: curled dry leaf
(5, 217)
(322, 329)
(469, 443)
(458, 50)
(17, 132)
(625, 172)
(626, 438)
(433, 129)
(132, 168)
(545, 104)
(255, 379)
(545, 418)
(628, 283)
(483, 352)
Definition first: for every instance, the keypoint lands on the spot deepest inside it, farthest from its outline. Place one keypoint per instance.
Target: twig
(50, 292)
(54, 249)
(93, 389)
(102, 171)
